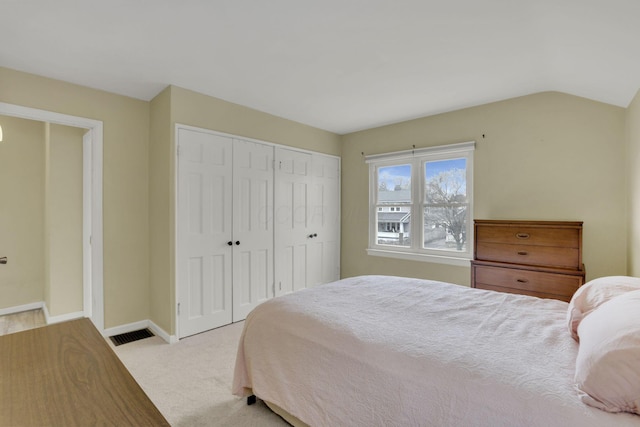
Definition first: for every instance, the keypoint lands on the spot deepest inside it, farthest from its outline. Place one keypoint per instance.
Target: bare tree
(446, 202)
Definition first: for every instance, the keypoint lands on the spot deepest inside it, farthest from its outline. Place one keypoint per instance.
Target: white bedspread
(390, 351)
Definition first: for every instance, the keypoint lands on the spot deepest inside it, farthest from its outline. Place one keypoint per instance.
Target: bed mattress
(391, 351)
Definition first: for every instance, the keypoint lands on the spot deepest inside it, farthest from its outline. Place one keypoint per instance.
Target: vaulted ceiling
(339, 65)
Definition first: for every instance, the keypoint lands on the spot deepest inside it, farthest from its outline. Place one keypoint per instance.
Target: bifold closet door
(324, 220)
(204, 221)
(291, 219)
(252, 226)
(230, 206)
(307, 220)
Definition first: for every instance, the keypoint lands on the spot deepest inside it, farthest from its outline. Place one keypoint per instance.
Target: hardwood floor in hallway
(17, 322)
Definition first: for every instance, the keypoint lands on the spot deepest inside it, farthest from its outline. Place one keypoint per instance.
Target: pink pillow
(608, 363)
(594, 293)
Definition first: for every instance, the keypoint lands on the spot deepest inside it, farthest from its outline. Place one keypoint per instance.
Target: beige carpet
(190, 382)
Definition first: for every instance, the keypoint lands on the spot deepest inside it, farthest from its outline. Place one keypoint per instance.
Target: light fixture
(0, 133)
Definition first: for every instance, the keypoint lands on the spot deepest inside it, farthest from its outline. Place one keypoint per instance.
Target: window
(421, 203)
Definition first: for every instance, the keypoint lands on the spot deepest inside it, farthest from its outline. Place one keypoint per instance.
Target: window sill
(449, 260)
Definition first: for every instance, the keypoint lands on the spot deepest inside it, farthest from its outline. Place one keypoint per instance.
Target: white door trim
(93, 300)
(86, 216)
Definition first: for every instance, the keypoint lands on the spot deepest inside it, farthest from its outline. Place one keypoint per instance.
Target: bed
(391, 351)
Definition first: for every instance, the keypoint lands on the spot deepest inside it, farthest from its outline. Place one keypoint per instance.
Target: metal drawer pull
(522, 235)
(522, 280)
(522, 253)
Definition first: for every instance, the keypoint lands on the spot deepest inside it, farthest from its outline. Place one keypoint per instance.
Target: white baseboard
(117, 330)
(21, 308)
(60, 318)
(142, 324)
(123, 329)
(171, 339)
(41, 305)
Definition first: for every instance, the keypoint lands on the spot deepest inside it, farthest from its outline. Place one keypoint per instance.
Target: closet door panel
(252, 226)
(324, 220)
(204, 229)
(291, 221)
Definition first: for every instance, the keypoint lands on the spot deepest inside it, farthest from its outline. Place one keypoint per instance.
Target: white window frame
(417, 158)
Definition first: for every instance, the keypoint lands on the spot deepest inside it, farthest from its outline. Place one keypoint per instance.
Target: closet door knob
(315, 234)
(237, 242)
(3, 260)
(229, 243)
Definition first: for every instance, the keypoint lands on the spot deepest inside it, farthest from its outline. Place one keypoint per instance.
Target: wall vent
(131, 336)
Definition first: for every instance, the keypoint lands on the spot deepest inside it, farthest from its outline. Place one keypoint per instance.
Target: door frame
(92, 286)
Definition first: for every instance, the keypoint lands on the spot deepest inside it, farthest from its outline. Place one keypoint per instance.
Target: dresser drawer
(528, 282)
(527, 235)
(552, 256)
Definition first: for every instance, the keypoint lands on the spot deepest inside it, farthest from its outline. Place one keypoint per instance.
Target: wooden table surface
(67, 375)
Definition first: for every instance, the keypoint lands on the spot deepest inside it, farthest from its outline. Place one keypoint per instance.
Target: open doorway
(87, 137)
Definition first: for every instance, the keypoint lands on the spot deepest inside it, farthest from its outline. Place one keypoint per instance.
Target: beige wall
(633, 179)
(21, 212)
(177, 105)
(548, 156)
(192, 108)
(544, 156)
(63, 221)
(138, 197)
(41, 215)
(125, 181)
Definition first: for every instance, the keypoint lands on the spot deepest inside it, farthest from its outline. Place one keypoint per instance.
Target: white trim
(176, 264)
(245, 138)
(93, 291)
(123, 329)
(42, 306)
(171, 339)
(412, 256)
(439, 149)
(417, 159)
(21, 308)
(60, 318)
(142, 324)
(86, 220)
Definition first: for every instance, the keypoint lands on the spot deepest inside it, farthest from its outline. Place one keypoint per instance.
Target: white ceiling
(339, 65)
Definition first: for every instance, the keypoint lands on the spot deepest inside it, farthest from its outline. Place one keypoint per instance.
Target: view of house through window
(394, 205)
(445, 207)
(421, 204)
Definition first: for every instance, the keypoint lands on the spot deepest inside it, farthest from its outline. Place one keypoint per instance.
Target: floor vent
(131, 336)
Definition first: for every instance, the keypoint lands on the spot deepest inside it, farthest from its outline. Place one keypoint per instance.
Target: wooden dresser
(538, 258)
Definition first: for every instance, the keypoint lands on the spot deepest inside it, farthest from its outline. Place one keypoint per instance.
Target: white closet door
(204, 230)
(252, 226)
(293, 182)
(324, 221)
